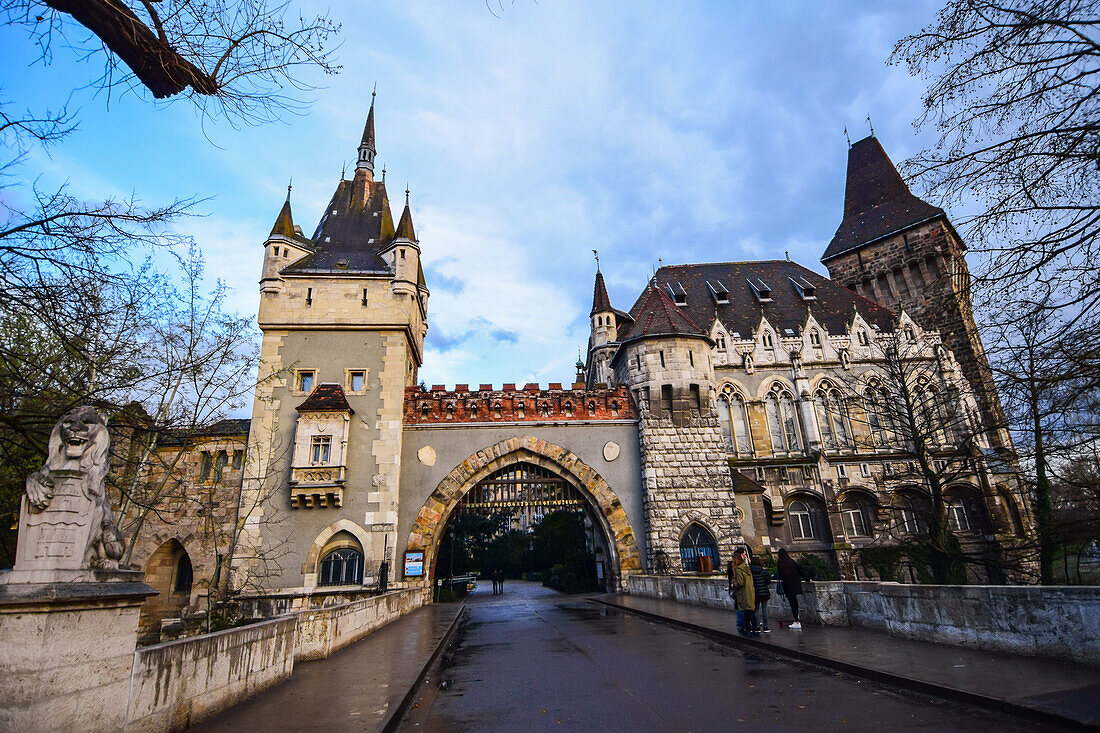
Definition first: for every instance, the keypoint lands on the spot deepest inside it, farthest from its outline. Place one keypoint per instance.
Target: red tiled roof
(327, 396)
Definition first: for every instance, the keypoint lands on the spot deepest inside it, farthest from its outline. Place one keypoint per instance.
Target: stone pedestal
(66, 650)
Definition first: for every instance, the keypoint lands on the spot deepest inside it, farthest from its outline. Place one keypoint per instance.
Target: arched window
(185, 574)
(782, 424)
(958, 520)
(855, 517)
(341, 567)
(695, 543)
(876, 417)
(736, 420)
(802, 520)
(910, 516)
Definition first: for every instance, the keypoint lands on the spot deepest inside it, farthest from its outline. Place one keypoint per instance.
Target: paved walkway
(534, 660)
(356, 689)
(1021, 685)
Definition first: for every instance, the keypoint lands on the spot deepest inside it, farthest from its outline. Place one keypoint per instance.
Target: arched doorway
(525, 520)
(170, 572)
(603, 508)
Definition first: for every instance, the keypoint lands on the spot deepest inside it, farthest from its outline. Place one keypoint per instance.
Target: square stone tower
(902, 252)
(343, 315)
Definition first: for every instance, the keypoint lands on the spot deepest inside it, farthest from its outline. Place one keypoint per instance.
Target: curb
(393, 720)
(875, 675)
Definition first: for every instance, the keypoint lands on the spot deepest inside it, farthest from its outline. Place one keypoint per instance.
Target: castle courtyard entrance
(531, 508)
(527, 522)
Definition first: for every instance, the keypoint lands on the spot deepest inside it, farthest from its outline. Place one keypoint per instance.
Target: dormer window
(861, 337)
(760, 289)
(766, 339)
(679, 295)
(720, 342)
(806, 289)
(719, 292)
(815, 338)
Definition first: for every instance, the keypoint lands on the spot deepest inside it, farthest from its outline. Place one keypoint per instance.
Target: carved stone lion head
(81, 435)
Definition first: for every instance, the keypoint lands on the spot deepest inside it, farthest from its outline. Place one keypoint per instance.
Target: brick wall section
(509, 404)
(924, 269)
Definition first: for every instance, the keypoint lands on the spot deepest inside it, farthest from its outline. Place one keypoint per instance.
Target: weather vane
(597, 256)
(846, 136)
(869, 125)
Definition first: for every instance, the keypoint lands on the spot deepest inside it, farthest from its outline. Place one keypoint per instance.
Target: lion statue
(77, 462)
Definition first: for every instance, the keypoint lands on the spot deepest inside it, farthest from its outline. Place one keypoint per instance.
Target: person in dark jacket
(744, 594)
(761, 579)
(791, 578)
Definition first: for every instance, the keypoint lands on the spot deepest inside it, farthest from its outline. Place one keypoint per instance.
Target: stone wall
(1060, 622)
(180, 683)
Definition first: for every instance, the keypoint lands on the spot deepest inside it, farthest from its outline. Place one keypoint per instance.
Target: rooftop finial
(344, 170)
(846, 136)
(383, 174)
(597, 256)
(374, 91)
(406, 193)
(289, 185)
(869, 125)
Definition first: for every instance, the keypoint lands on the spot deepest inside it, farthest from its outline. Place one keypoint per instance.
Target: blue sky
(686, 132)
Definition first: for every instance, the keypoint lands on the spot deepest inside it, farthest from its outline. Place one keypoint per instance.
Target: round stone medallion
(426, 455)
(611, 451)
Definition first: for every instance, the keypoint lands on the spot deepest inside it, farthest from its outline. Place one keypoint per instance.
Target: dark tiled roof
(356, 224)
(219, 429)
(832, 306)
(742, 484)
(284, 223)
(600, 302)
(368, 129)
(405, 226)
(327, 396)
(877, 202)
(656, 315)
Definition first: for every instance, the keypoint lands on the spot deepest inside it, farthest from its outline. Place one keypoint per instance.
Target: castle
(733, 403)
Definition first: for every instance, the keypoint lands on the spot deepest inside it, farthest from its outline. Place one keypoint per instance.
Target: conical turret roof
(600, 302)
(405, 228)
(877, 201)
(284, 223)
(657, 315)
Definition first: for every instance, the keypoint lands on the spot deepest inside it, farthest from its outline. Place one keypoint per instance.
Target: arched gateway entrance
(563, 475)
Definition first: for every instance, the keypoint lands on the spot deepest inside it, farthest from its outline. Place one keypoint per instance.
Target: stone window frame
(365, 371)
(801, 520)
(299, 374)
(861, 504)
(829, 395)
(792, 440)
(318, 441)
(728, 396)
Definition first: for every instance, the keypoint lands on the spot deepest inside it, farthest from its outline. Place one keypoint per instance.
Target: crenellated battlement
(531, 403)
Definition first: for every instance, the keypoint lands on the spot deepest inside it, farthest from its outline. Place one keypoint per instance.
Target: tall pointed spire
(877, 201)
(284, 223)
(367, 149)
(405, 228)
(600, 302)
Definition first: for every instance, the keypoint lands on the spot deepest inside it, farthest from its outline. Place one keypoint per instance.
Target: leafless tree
(1013, 92)
(1048, 372)
(933, 481)
(244, 59)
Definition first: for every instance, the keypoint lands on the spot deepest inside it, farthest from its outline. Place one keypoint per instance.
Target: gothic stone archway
(433, 516)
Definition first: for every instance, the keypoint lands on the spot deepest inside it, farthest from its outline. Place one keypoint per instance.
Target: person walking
(496, 582)
(791, 579)
(501, 576)
(744, 594)
(761, 580)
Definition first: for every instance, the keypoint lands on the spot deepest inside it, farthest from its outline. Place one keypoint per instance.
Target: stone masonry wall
(924, 269)
(687, 479)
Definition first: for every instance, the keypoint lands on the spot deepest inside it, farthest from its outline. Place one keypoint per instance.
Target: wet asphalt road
(533, 660)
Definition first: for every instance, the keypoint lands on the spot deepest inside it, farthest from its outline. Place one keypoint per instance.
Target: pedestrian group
(750, 588)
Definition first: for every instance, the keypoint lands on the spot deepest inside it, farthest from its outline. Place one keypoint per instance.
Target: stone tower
(343, 315)
(665, 359)
(902, 252)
